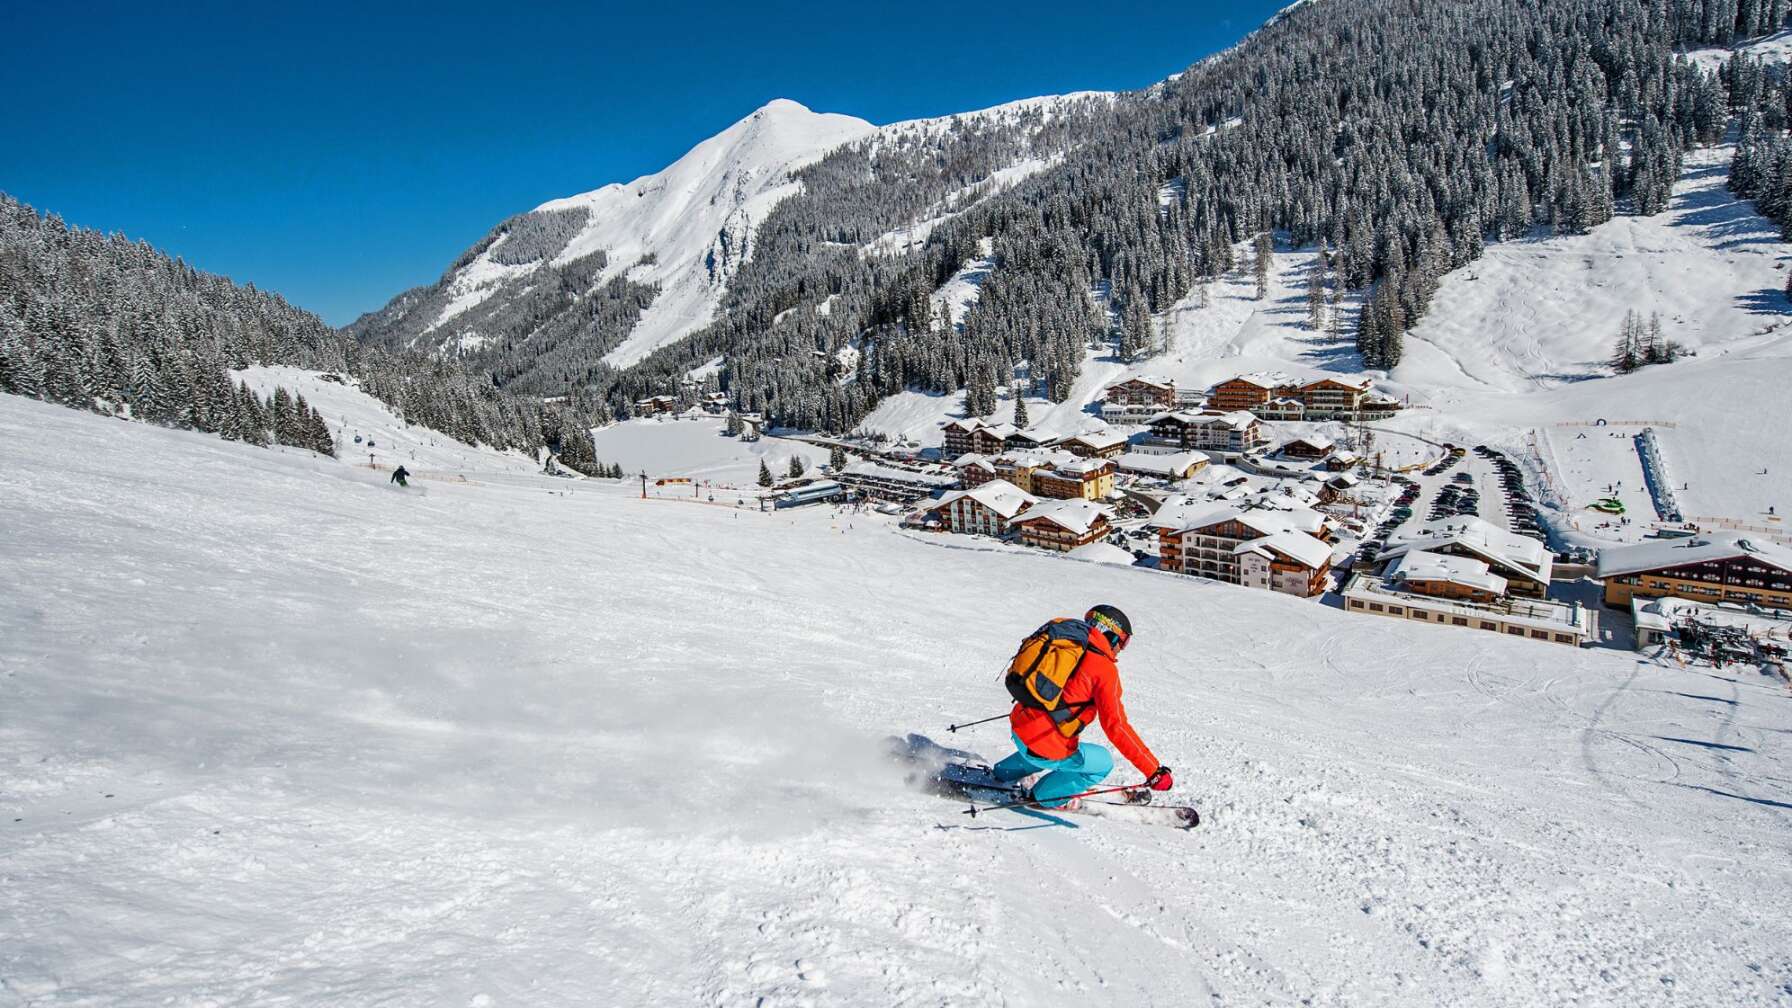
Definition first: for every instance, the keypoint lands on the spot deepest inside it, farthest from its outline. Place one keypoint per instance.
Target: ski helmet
(1113, 621)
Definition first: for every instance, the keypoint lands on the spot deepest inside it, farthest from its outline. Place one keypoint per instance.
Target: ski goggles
(1115, 634)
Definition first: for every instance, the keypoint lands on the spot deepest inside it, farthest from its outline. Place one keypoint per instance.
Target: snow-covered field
(274, 732)
(366, 432)
(697, 449)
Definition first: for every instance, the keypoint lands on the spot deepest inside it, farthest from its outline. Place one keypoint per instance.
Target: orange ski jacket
(1097, 679)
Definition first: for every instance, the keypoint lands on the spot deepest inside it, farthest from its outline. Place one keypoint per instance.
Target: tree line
(103, 323)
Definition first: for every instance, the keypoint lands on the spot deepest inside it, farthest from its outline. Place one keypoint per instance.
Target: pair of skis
(955, 773)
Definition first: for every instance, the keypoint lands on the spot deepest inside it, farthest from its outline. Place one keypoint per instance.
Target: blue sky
(338, 156)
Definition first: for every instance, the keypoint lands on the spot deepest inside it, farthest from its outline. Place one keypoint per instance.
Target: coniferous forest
(104, 323)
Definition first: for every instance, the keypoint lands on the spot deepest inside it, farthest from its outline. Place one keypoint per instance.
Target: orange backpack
(1042, 668)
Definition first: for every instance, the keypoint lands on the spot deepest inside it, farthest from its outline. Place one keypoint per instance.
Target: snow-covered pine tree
(765, 474)
(1625, 356)
(1316, 295)
(281, 422)
(1368, 336)
(19, 371)
(1262, 248)
(837, 458)
(796, 466)
(1020, 407)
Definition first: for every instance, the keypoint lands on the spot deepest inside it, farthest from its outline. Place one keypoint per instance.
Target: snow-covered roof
(1656, 554)
(1160, 465)
(1424, 565)
(1098, 440)
(1181, 513)
(867, 469)
(1359, 384)
(1082, 467)
(1495, 545)
(1030, 434)
(1317, 442)
(966, 424)
(1155, 381)
(1660, 614)
(1344, 480)
(972, 459)
(1264, 379)
(1000, 496)
(1075, 515)
(1297, 546)
(1235, 420)
(1043, 459)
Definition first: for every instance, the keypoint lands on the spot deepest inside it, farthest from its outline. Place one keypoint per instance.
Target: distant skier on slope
(1064, 678)
(399, 476)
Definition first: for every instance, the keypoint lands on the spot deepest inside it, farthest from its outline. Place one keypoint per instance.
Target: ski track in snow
(275, 732)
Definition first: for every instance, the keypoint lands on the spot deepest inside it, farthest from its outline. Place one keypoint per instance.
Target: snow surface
(275, 732)
(386, 440)
(1775, 48)
(697, 449)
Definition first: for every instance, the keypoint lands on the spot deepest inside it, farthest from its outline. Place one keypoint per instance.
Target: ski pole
(973, 810)
(972, 724)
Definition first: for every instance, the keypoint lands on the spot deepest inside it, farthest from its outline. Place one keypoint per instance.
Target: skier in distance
(399, 476)
(1064, 678)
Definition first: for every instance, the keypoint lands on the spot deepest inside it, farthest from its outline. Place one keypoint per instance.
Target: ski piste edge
(965, 776)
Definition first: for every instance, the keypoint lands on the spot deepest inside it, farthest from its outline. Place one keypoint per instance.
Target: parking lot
(1481, 482)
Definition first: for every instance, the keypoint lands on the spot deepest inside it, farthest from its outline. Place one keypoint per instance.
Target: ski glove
(1160, 779)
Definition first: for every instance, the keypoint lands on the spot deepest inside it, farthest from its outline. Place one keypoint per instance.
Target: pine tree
(1658, 349)
(1262, 248)
(796, 466)
(1368, 336)
(18, 372)
(282, 420)
(837, 458)
(732, 425)
(765, 474)
(1625, 357)
(1020, 407)
(1316, 297)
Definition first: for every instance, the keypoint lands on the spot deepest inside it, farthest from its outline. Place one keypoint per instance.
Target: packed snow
(697, 448)
(367, 433)
(277, 732)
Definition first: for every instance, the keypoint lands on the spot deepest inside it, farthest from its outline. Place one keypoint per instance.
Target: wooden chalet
(1710, 567)
(1144, 390)
(1250, 391)
(1063, 525)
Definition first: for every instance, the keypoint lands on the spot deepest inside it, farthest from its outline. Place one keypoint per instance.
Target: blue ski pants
(1080, 771)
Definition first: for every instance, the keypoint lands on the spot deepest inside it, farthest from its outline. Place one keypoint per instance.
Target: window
(1395, 610)
(1563, 638)
(1540, 634)
(1376, 607)
(1460, 621)
(1485, 625)
(1515, 631)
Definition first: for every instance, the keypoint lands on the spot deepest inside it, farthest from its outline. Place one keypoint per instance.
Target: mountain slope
(678, 234)
(276, 731)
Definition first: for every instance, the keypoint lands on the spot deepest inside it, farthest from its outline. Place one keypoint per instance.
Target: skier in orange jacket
(1069, 764)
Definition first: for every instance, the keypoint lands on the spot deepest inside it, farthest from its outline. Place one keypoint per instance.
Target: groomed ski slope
(274, 732)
